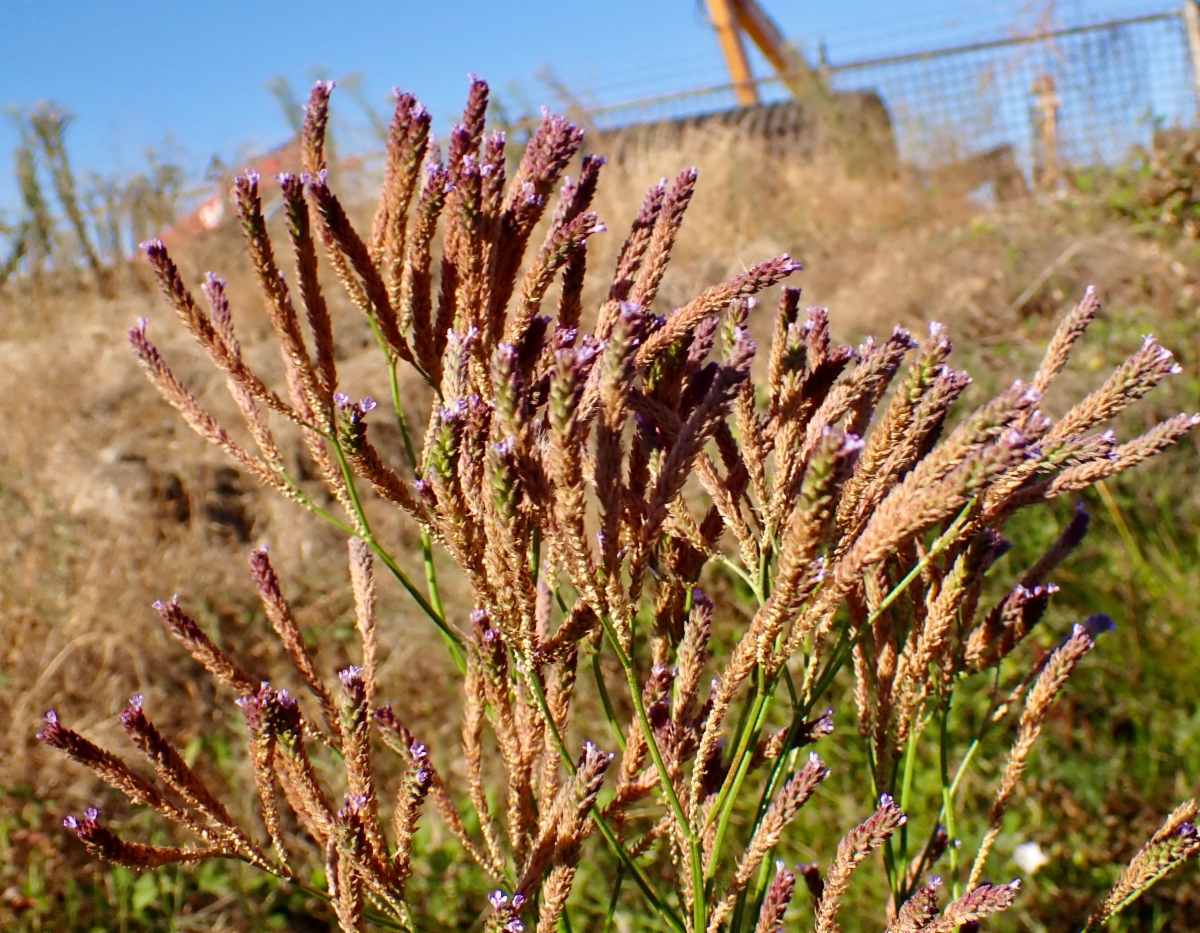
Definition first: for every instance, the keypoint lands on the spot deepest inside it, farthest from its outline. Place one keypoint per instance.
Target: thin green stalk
(609, 713)
(453, 642)
(750, 708)
(944, 541)
(958, 776)
(1127, 538)
(786, 763)
(910, 759)
(948, 800)
(696, 857)
(377, 918)
(739, 768)
(612, 903)
(377, 549)
(606, 830)
(431, 584)
(787, 679)
(964, 765)
(741, 572)
(889, 855)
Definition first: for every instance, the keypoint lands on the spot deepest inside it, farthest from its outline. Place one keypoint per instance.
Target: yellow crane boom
(733, 19)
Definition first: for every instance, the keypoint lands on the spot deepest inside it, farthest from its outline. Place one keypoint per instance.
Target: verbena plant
(582, 482)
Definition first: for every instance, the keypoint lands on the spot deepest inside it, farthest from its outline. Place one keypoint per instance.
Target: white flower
(1029, 857)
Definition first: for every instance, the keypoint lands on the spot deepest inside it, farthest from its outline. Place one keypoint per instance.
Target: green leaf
(145, 892)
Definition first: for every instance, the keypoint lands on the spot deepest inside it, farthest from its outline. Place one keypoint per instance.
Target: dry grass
(96, 474)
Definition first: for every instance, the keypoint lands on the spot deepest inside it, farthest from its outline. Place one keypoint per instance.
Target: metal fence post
(1191, 22)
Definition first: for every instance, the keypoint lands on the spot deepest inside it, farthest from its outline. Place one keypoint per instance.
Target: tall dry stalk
(555, 473)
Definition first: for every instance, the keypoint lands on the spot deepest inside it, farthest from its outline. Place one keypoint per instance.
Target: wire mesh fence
(1080, 96)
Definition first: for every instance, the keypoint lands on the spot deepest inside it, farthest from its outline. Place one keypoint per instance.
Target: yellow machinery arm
(724, 15)
(732, 18)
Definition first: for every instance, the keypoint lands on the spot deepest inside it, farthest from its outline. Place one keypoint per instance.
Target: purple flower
(341, 400)
(497, 899)
(367, 404)
(1098, 624)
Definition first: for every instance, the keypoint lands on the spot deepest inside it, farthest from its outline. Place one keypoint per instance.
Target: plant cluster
(103, 220)
(582, 481)
(1160, 186)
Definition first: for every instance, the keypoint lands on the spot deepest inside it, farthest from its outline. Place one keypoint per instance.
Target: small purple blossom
(497, 899)
(1098, 624)
(341, 400)
(367, 404)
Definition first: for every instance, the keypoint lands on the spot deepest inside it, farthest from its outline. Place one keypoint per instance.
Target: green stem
(612, 903)
(846, 642)
(962, 769)
(737, 568)
(910, 759)
(606, 830)
(696, 856)
(535, 556)
(431, 584)
(739, 767)
(606, 701)
(373, 916)
(453, 642)
(948, 799)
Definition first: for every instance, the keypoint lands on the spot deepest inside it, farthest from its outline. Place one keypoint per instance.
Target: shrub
(589, 486)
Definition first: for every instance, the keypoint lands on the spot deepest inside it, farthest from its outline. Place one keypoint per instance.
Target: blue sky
(190, 77)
